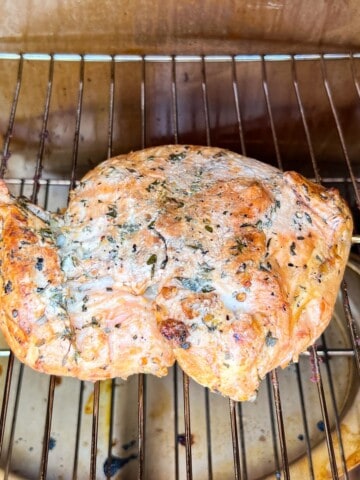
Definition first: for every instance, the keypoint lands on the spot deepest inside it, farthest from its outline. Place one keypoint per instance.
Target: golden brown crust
(29, 265)
(190, 253)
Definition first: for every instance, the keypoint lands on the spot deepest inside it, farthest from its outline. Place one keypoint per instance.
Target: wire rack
(61, 115)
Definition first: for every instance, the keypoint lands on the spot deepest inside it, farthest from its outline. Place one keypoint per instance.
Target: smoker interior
(60, 116)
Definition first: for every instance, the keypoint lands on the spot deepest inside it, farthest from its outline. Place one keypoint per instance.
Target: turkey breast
(185, 253)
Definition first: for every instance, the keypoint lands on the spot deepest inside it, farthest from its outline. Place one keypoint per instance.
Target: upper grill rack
(257, 105)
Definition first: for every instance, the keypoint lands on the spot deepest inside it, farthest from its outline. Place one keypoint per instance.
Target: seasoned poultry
(185, 253)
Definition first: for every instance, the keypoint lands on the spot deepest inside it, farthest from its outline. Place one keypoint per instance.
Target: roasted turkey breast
(185, 253)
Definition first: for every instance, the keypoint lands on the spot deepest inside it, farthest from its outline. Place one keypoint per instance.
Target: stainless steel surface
(64, 113)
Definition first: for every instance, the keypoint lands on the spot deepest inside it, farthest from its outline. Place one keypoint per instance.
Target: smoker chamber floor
(63, 114)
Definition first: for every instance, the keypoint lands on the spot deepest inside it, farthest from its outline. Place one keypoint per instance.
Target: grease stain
(113, 464)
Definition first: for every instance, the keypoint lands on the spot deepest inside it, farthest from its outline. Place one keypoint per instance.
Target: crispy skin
(190, 253)
(55, 325)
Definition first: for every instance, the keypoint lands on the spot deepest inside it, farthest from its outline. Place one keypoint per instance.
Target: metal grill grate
(69, 112)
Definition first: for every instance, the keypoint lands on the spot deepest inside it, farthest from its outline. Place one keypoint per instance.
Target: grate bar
(78, 428)
(47, 430)
(143, 103)
(280, 423)
(8, 135)
(244, 474)
(176, 421)
(188, 438)
(120, 57)
(47, 192)
(75, 150)
(322, 400)
(208, 434)
(44, 133)
(141, 425)
(13, 422)
(273, 427)
(339, 130)
(305, 422)
(174, 101)
(234, 438)
(101, 57)
(355, 80)
(334, 352)
(111, 110)
(6, 394)
(237, 107)
(94, 431)
(269, 110)
(205, 102)
(304, 121)
(111, 428)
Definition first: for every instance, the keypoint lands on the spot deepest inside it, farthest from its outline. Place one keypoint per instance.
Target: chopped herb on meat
(177, 157)
(196, 284)
(308, 218)
(238, 247)
(8, 287)
(266, 267)
(153, 185)
(112, 211)
(39, 265)
(152, 261)
(174, 202)
(45, 233)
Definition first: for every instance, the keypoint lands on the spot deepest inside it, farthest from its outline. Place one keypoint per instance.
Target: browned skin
(188, 253)
(29, 262)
